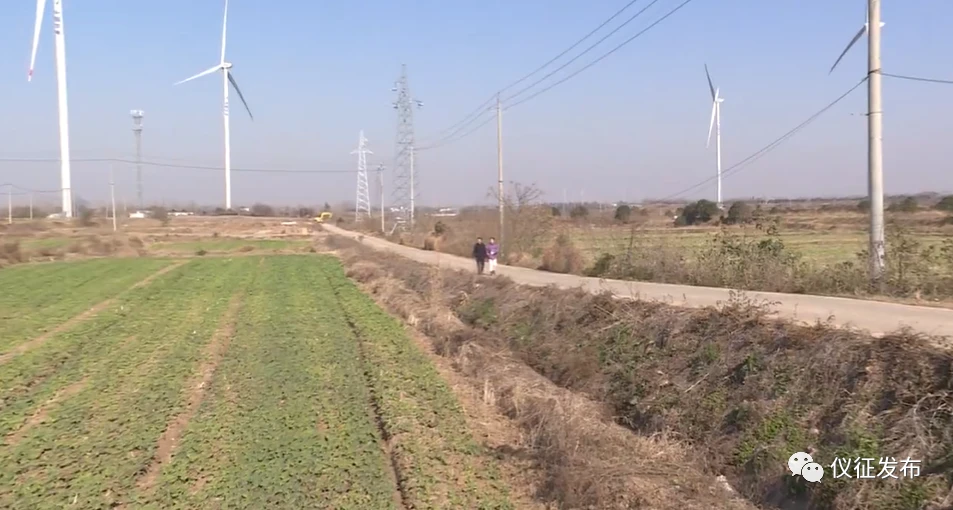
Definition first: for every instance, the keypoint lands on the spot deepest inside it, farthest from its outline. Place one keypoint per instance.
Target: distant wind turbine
(863, 30)
(227, 79)
(715, 125)
(59, 43)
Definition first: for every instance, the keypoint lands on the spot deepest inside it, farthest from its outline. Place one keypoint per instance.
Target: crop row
(438, 462)
(285, 423)
(37, 297)
(128, 367)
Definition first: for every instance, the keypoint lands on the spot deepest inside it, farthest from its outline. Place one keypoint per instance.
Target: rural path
(877, 318)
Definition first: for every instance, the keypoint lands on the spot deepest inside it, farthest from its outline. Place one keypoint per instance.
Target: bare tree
(527, 221)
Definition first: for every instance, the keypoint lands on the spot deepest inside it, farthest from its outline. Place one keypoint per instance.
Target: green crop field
(248, 382)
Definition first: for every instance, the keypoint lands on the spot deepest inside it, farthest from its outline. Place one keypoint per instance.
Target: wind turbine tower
(137, 131)
(227, 78)
(715, 124)
(59, 44)
(405, 172)
(362, 206)
(875, 178)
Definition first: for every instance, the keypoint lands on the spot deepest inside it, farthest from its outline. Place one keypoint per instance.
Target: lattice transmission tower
(362, 206)
(405, 173)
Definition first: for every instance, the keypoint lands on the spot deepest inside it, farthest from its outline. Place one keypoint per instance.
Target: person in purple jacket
(492, 251)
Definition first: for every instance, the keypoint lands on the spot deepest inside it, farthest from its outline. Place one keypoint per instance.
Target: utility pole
(31, 206)
(112, 195)
(380, 182)
(413, 191)
(9, 204)
(363, 202)
(137, 131)
(405, 171)
(875, 184)
(499, 167)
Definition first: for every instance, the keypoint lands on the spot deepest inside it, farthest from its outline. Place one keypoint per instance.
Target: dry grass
(588, 461)
(743, 391)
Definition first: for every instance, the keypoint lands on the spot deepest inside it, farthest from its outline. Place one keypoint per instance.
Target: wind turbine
(227, 79)
(59, 43)
(715, 125)
(863, 30)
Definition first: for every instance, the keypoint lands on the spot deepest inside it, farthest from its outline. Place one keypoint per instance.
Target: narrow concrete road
(877, 318)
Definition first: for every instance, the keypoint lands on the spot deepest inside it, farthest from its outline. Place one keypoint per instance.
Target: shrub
(262, 210)
(161, 214)
(579, 211)
(945, 204)
(908, 204)
(85, 218)
(739, 213)
(562, 256)
(696, 213)
(623, 213)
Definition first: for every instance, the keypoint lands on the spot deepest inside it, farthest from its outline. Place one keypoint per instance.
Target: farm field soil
(227, 245)
(820, 247)
(246, 382)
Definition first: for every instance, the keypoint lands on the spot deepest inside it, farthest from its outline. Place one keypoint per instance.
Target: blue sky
(631, 127)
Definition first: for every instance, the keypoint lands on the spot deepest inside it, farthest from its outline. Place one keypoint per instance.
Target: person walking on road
(492, 251)
(479, 253)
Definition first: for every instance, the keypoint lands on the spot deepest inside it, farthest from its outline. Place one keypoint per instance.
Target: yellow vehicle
(326, 215)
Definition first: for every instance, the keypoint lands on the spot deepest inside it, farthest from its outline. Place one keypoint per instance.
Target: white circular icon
(797, 461)
(812, 472)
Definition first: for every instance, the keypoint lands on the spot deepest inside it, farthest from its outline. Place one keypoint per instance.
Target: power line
(917, 78)
(467, 119)
(587, 50)
(737, 167)
(600, 59)
(450, 139)
(175, 165)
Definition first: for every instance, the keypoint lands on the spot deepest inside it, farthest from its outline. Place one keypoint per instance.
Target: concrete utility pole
(9, 204)
(112, 195)
(875, 144)
(31, 206)
(137, 130)
(380, 182)
(499, 166)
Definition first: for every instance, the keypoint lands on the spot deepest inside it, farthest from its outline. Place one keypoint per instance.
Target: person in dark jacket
(479, 253)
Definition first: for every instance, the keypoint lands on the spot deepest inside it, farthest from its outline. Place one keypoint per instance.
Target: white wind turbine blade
(239, 91)
(203, 73)
(40, 7)
(853, 41)
(711, 125)
(224, 26)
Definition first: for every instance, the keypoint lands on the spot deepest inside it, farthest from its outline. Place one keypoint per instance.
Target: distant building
(446, 212)
(137, 215)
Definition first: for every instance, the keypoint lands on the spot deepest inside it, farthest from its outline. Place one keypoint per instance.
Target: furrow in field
(95, 444)
(285, 421)
(77, 295)
(438, 463)
(36, 375)
(196, 393)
